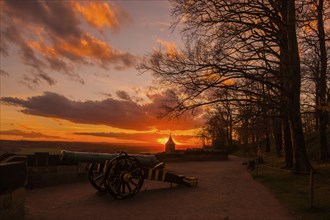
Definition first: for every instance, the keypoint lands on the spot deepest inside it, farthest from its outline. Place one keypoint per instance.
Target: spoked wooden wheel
(96, 176)
(124, 177)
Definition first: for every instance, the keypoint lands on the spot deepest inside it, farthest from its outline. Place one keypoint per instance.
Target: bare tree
(231, 45)
(219, 126)
(316, 62)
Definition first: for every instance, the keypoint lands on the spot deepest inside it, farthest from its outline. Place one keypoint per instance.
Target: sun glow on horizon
(162, 140)
(77, 83)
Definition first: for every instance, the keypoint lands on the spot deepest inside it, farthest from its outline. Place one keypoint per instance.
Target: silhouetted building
(170, 145)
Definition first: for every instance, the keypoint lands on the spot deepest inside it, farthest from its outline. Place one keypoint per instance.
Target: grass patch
(294, 191)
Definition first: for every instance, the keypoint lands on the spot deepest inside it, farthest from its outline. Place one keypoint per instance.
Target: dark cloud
(50, 37)
(3, 73)
(123, 95)
(124, 114)
(36, 75)
(56, 16)
(28, 57)
(35, 80)
(108, 95)
(26, 134)
(47, 78)
(3, 48)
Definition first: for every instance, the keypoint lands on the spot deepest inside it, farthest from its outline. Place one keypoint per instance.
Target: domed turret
(170, 145)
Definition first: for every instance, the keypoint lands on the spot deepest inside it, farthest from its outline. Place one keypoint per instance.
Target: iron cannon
(122, 175)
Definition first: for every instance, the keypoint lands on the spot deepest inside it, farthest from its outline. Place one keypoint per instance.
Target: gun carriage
(122, 175)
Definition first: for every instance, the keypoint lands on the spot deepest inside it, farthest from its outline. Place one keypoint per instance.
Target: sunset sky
(68, 72)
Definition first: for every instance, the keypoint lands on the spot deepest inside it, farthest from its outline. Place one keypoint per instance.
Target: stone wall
(12, 204)
(43, 170)
(192, 156)
(43, 176)
(48, 170)
(12, 181)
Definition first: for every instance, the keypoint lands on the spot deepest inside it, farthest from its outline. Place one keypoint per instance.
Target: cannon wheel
(124, 177)
(96, 176)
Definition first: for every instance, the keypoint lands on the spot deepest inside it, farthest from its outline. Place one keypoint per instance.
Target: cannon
(122, 175)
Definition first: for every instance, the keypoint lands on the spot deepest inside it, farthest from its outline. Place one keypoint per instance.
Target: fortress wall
(12, 192)
(44, 176)
(177, 157)
(12, 204)
(49, 170)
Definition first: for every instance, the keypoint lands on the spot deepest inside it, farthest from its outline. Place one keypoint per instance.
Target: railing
(311, 183)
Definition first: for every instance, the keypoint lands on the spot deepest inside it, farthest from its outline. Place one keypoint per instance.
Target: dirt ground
(225, 191)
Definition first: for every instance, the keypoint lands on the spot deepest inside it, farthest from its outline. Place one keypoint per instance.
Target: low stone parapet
(12, 204)
(12, 192)
(192, 156)
(54, 175)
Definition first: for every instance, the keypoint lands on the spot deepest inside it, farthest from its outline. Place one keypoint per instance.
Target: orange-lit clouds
(45, 50)
(86, 42)
(101, 15)
(170, 48)
(30, 127)
(50, 37)
(147, 137)
(120, 121)
(83, 49)
(27, 134)
(124, 114)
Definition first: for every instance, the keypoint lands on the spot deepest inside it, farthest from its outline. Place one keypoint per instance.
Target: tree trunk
(230, 128)
(277, 132)
(246, 135)
(285, 84)
(317, 104)
(300, 155)
(267, 135)
(323, 115)
(267, 143)
(287, 143)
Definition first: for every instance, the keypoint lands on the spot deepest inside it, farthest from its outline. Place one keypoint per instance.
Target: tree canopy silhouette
(243, 52)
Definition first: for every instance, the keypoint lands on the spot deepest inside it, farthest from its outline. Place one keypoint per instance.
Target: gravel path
(225, 191)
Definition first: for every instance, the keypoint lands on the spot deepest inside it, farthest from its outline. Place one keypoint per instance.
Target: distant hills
(54, 147)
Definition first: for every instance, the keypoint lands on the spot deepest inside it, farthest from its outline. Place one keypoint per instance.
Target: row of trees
(249, 63)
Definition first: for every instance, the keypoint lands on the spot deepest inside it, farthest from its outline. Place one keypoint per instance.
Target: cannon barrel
(89, 157)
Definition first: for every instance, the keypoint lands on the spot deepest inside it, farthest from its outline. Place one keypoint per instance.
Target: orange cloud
(147, 137)
(89, 47)
(45, 50)
(27, 134)
(124, 114)
(86, 48)
(100, 14)
(215, 77)
(46, 42)
(170, 48)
